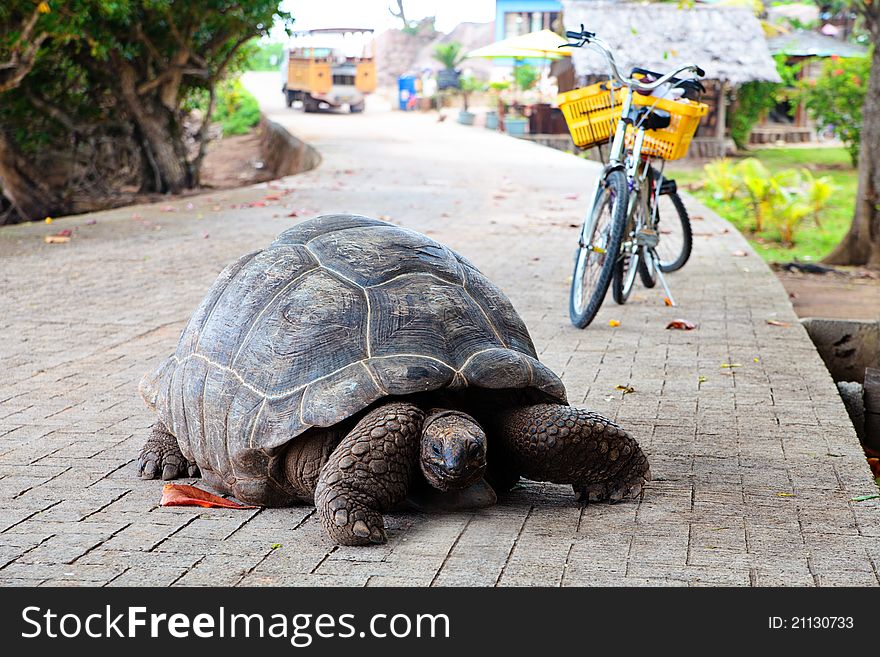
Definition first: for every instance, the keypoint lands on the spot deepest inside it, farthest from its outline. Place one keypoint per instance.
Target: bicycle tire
(687, 238)
(580, 313)
(627, 264)
(647, 271)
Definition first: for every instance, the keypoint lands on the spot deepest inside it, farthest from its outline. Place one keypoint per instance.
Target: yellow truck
(329, 68)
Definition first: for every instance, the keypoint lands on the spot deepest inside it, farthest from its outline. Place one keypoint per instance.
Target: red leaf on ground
(271, 197)
(257, 204)
(681, 325)
(185, 495)
(293, 213)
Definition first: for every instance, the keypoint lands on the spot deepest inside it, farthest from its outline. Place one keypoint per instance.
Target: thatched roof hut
(727, 42)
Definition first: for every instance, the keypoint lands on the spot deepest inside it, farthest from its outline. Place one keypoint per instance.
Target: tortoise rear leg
(161, 457)
(368, 473)
(566, 445)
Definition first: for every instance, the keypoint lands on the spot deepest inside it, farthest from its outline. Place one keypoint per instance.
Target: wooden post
(721, 117)
(871, 395)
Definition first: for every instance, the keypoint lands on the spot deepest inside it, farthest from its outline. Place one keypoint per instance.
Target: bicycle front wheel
(598, 250)
(676, 237)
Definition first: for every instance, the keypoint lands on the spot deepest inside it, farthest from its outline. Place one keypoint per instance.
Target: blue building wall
(505, 6)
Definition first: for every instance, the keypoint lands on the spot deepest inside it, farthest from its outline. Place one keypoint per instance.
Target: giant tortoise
(351, 354)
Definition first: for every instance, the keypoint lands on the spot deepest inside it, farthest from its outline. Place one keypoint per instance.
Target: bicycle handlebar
(589, 38)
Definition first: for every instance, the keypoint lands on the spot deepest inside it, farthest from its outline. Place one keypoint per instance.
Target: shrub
(835, 99)
(236, 109)
(782, 200)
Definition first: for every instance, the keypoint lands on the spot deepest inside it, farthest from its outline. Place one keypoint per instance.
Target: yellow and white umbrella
(534, 45)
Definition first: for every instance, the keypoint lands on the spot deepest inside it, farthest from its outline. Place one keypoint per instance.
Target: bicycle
(621, 232)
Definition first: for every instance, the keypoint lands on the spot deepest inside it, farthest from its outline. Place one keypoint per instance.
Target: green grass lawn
(811, 242)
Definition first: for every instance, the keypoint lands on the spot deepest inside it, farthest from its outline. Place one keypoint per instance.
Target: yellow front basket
(592, 114)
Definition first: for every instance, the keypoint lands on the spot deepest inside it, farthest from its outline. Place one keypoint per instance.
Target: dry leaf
(681, 325)
(613, 323)
(701, 379)
(728, 366)
(625, 389)
(185, 495)
(740, 254)
(56, 239)
(776, 322)
(667, 301)
(784, 494)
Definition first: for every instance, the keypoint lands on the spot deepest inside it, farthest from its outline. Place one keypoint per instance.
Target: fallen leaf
(293, 213)
(625, 389)
(728, 366)
(784, 494)
(613, 323)
(271, 197)
(91, 222)
(756, 360)
(257, 204)
(681, 325)
(48, 220)
(206, 236)
(740, 254)
(776, 322)
(186, 495)
(667, 301)
(701, 379)
(864, 498)
(168, 208)
(275, 546)
(56, 239)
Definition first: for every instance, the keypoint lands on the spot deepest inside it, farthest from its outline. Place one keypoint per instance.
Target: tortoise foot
(161, 458)
(348, 521)
(629, 487)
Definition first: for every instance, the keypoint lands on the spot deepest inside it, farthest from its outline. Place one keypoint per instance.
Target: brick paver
(755, 466)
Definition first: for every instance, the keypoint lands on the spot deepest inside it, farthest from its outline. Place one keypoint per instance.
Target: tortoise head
(453, 451)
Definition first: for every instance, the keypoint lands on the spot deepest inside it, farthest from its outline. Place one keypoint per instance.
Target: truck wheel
(309, 104)
(290, 97)
(357, 107)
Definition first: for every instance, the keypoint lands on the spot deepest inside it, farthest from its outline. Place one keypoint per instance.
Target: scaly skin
(161, 457)
(368, 473)
(566, 445)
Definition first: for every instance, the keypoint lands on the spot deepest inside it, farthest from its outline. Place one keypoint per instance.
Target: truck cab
(329, 68)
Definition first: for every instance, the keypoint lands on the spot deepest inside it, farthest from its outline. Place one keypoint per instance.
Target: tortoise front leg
(161, 456)
(368, 473)
(566, 445)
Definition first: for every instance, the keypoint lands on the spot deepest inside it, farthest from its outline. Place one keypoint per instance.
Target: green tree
(861, 245)
(89, 66)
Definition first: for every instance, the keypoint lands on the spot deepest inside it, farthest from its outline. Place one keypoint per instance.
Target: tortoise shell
(337, 313)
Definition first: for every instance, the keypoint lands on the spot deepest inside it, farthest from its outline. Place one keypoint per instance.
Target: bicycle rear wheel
(676, 237)
(598, 250)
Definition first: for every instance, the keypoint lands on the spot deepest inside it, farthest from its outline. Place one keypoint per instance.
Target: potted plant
(469, 85)
(525, 77)
(450, 55)
(495, 89)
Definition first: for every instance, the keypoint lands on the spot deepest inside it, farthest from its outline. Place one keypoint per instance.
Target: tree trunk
(32, 199)
(861, 245)
(161, 132)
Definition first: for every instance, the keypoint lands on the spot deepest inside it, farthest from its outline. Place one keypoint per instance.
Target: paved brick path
(755, 466)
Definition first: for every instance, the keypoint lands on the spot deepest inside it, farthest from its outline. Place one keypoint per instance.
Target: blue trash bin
(406, 89)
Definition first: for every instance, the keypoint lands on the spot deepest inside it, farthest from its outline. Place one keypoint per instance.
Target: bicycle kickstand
(663, 281)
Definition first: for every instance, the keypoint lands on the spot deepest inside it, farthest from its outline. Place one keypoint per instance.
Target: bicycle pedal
(647, 238)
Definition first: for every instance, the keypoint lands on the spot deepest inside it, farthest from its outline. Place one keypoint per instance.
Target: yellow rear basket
(670, 143)
(592, 120)
(589, 113)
